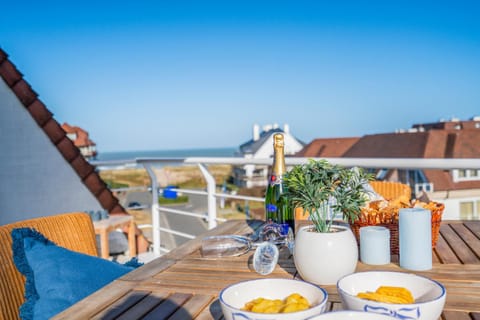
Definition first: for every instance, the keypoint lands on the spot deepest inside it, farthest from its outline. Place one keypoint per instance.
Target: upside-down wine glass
(265, 240)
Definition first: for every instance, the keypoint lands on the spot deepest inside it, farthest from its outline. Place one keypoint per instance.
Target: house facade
(459, 190)
(81, 140)
(261, 146)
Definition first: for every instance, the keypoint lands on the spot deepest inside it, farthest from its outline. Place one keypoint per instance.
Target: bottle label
(285, 227)
(271, 207)
(275, 180)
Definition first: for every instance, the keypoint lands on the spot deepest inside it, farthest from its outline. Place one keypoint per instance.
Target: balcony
(459, 204)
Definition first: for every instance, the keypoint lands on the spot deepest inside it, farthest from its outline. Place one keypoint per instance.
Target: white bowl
(429, 294)
(234, 297)
(348, 315)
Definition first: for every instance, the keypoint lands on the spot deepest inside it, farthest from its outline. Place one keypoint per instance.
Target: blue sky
(150, 75)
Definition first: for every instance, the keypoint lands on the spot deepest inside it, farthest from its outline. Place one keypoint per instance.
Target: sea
(178, 153)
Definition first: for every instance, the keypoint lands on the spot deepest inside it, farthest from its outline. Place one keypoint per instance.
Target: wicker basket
(392, 224)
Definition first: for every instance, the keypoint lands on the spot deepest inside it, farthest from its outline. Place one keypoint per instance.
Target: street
(173, 221)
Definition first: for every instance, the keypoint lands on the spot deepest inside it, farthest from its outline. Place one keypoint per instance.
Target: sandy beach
(183, 176)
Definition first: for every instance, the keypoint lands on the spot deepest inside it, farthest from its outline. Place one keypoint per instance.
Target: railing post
(155, 210)
(211, 200)
(156, 229)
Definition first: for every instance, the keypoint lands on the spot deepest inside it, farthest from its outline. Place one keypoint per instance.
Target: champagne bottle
(277, 208)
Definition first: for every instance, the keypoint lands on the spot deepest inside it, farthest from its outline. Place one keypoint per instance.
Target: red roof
(332, 148)
(82, 138)
(452, 139)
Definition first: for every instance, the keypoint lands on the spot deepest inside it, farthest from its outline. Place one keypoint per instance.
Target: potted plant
(325, 252)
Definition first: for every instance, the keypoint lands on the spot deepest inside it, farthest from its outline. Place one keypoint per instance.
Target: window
(470, 210)
(465, 174)
(427, 187)
(466, 210)
(381, 174)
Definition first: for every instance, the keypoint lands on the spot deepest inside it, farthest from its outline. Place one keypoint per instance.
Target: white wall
(35, 180)
(291, 147)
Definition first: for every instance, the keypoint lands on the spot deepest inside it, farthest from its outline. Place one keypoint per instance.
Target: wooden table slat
(120, 306)
(149, 302)
(474, 226)
(456, 243)
(168, 306)
(334, 306)
(195, 305)
(455, 315)
(99, 300)
(470, 240)
(475, 315)
(443, 251)
(213, 312)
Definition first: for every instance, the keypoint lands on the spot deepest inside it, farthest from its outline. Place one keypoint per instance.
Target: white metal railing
(212, 194)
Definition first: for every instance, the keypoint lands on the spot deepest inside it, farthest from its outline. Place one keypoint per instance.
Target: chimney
(256, 132)
(286, 128)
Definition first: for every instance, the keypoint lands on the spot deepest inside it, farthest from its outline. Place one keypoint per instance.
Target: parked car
(134, 205)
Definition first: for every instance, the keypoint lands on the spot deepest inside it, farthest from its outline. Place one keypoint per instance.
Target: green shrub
(179, 199)
(115, 185)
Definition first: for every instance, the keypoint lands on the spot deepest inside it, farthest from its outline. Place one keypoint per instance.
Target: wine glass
(225, 246)
(265, 240)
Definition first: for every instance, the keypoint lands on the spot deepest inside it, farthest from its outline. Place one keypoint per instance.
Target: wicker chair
(73, 231)
(391, 190)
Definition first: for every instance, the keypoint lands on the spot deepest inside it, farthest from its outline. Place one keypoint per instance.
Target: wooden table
(183, 285)
(105, 226)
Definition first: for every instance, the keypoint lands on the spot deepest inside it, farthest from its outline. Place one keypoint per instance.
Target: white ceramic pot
(324, 258)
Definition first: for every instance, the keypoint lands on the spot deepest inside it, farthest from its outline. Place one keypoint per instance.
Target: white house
(261, 146)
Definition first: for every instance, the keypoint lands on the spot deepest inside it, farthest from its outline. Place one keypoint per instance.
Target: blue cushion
(57, 277)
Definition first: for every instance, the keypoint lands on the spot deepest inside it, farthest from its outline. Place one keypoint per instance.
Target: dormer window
(465, 175)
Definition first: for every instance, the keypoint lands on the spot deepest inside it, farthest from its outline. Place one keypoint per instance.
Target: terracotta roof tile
(54, 131)
(67, 149)
(442, 179)
(467, 144)
(9, 73)
(81, 166)
(330, 147)
(24, 92)
(437, 144)
(117, 209)
(390, 145)
(39, 112)
(107, 200)
(94, 183)
(43, 117)
(3, 56)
